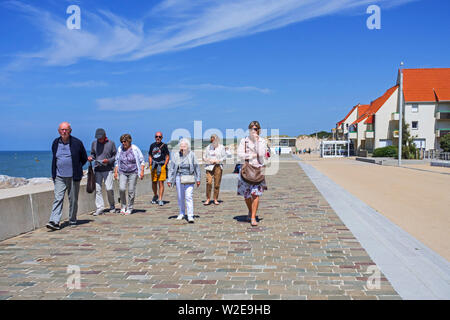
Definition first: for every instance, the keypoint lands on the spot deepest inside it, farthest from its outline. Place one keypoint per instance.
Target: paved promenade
(301, 250)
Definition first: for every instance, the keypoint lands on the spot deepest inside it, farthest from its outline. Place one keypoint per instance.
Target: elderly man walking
(103, 152)
(69, 157)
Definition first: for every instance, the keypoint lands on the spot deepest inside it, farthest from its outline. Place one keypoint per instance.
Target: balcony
(352, 135)
(443, 115)
(442, 132)
(370, 134)
(395, 116)
(395, 133)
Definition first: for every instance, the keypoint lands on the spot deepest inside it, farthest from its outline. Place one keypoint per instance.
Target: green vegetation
(322, 135)
(445, 142)
(409, 150)
(389, 151)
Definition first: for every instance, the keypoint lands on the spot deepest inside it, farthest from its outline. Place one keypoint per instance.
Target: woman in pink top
(254, 149)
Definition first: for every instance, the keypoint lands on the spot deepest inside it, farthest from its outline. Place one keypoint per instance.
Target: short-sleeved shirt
(158, 152)
(64, 167)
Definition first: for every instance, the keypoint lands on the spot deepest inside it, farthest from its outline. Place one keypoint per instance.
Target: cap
(100, 133)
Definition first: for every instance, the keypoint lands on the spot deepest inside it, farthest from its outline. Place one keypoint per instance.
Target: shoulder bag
(90, 187)
(187, 179)
(250, 174)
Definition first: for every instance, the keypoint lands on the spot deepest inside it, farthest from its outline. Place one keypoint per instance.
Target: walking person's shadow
(79, 223)
(245, 219)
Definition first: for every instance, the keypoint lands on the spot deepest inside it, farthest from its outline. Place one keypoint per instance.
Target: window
(415, 125)
(415, 108)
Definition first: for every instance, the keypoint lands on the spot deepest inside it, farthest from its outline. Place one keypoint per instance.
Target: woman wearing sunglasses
(252, 151)
(129, 166)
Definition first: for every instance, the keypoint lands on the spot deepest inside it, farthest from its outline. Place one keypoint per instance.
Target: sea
(31, 164)
(26, 164)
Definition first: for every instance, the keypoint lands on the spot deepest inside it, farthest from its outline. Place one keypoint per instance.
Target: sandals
(216, 203)
(254, 223)
(207, 203)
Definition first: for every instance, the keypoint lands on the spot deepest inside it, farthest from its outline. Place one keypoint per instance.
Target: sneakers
(72, 223)
(53, 226)
(191, 219)
(112, 209)
(155, 199)
(161, 203)
(128, 212)
(98, 212)
(123, 210)
(180, 217)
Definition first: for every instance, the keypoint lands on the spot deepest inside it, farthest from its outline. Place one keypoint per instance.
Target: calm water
(31, 164)
(26, 164)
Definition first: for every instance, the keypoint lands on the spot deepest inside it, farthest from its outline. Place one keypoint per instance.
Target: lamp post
(400, 120)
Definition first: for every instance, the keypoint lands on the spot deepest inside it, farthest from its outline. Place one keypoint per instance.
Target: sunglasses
(255, 129)
(158, 137)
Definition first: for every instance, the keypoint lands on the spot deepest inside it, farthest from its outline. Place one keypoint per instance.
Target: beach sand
(415, 197)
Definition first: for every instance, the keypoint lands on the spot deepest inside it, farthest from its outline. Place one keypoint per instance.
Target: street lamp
(400, 120)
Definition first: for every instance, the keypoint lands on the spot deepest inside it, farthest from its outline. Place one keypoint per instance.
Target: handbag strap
(257, 154)
(246, 160)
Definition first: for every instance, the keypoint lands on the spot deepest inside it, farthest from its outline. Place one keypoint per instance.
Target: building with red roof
(426, 110)
(427, 105)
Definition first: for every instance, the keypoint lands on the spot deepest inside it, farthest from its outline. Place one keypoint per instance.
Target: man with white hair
(69, 157)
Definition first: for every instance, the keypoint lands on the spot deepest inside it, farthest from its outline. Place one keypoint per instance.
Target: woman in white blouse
(254, 149)
(213, 158)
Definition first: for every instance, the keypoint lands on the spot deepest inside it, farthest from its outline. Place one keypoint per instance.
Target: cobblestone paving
(301, 250)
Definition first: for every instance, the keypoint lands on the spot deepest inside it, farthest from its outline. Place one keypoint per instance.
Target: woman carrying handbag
(252, 151)
(184, 171)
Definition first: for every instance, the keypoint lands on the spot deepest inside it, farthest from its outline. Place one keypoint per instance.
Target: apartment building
(427, 105)
(426, 109)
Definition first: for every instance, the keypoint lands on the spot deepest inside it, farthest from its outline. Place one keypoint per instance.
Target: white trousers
(108, 177)
(185, 200)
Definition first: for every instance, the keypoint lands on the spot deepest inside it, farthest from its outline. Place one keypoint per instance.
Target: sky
(296, 66)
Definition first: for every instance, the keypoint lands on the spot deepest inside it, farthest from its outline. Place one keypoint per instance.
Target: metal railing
(436, 155)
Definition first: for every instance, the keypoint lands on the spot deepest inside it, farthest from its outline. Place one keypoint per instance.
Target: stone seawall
(24, 211)
(27, 212)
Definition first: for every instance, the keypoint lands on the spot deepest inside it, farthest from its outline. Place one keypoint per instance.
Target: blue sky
(138, 67)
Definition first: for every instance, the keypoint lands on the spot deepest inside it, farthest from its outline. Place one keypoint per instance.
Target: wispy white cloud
(83, 84)
(139, 102)
(209, 86)
(172, 25)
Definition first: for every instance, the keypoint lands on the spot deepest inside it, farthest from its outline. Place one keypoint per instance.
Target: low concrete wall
(370, 160)
(229, 182)
(440, 163)
(28, 212)
(391, 161)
